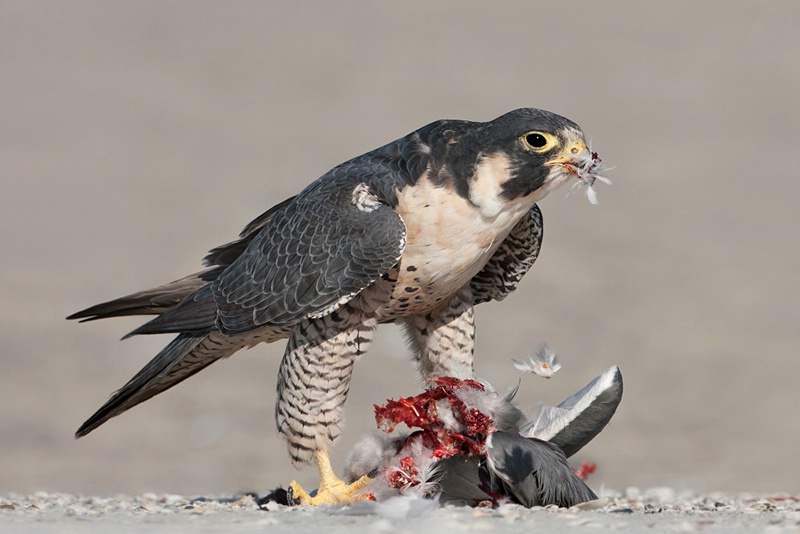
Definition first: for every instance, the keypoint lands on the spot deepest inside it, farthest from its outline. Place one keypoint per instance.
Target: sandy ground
(658, 509)
(134, 136)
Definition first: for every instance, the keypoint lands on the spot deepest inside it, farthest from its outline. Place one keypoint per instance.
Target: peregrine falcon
(416, 232)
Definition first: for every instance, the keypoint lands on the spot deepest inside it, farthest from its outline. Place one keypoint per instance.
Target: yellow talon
(332, 490)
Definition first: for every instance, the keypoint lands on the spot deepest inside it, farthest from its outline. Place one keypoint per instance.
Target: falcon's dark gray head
(525, 153)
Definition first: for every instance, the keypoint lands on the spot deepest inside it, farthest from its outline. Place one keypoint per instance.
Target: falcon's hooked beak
(574, 152)
(578, 161)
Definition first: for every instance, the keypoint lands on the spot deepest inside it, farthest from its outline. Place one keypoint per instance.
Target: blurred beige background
(134, 136)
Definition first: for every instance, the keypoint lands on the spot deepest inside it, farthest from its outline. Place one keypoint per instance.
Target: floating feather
(543, 363)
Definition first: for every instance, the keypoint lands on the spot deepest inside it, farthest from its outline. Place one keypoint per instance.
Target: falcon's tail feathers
(196, 314)
(184, 356)
(163, 298)
(150, 301)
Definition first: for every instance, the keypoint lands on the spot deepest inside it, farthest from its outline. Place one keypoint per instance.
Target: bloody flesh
(422, 412)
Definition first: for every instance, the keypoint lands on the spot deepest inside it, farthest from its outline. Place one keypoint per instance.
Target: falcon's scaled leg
(443, 340)
(313, 383)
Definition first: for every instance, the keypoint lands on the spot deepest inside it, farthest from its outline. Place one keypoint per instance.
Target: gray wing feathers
(316, 254)
(583, 415)
(310, 257)
(534, 471)
(226, 254)
(184, 356)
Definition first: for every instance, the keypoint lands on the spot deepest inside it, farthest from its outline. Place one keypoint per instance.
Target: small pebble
(632, 493)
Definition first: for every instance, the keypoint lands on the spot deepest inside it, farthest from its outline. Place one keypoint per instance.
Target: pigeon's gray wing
(535, 472)
(460, 482)
(313, 255)
(576, 421)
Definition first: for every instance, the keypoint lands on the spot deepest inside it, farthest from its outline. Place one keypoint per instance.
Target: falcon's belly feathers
(417, 231)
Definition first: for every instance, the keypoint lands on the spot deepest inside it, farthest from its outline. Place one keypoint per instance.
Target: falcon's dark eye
(536, 141)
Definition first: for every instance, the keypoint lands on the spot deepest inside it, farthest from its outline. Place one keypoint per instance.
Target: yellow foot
(335, 492)
(332, 490)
